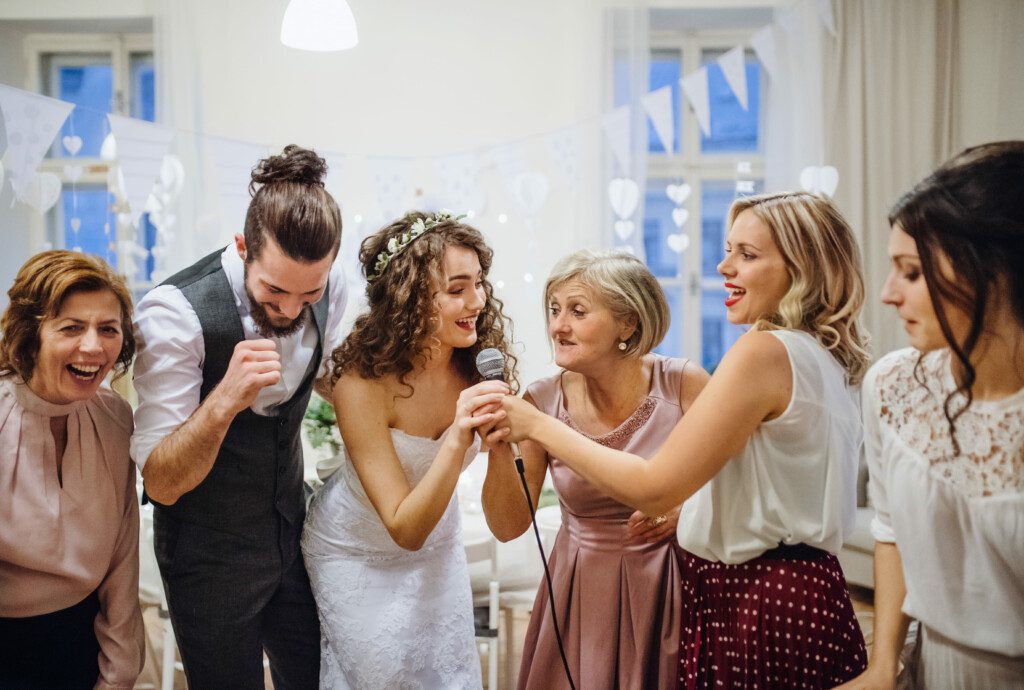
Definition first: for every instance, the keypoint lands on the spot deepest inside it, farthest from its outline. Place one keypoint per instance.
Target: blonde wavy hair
(826, 289)
(625, 285)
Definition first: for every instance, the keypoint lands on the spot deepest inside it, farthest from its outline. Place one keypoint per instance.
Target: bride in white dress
(382, 540)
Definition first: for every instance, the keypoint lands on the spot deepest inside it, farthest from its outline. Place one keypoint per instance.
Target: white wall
(13, 220)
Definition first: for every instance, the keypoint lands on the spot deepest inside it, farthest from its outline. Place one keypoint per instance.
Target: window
(100, 74)
(685, 260)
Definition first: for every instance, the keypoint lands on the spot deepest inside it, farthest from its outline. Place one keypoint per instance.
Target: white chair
(480, 549)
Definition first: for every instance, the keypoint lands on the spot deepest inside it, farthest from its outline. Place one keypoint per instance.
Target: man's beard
(265, 325)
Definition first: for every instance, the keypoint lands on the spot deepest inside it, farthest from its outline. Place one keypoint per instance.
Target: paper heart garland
(624, 229)
(531, 191)
(680, 216)
(624, 195)
(72, 144)
(678, 193)
(73, 173)
(76, 224)
(678, 243)
(819, 179)
(43, 192)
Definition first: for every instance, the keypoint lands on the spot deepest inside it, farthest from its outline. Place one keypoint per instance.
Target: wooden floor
(514, 620)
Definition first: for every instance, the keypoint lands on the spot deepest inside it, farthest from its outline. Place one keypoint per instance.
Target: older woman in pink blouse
(69, 523)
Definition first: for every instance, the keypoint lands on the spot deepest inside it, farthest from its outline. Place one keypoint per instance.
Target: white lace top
(795, 482)
(958, 520)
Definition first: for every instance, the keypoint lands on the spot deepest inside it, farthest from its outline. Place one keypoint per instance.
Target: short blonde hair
(826, 289)
(625, 285)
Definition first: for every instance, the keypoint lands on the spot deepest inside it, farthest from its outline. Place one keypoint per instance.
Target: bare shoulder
(758, 366)
(353, 392)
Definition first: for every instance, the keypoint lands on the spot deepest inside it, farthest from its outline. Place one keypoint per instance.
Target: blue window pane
(733, 129)
(672, 345)
(92, 209)
(143, 89)
(620, 82)
(716, 333)
(90, 86)
(147, 231)
(658, 225)
(665, 70)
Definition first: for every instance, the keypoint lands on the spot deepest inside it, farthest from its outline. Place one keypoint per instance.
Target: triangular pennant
(392, 180)
(764, 44)
(141, 147)
(32, 123)
(564, 146)
(658, 104)
(734, 67)
(616, 130)
(233, 162)
(695, 86)
(510, 161)
(459, 178)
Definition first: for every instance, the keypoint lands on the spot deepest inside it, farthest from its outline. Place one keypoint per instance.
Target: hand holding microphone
(491, 365)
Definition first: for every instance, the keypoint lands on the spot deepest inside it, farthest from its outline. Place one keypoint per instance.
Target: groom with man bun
(229, 351)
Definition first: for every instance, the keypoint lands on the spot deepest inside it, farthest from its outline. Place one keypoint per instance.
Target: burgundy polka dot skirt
(783, 620)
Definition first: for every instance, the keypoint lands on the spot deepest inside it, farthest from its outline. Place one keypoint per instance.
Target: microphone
(491, 365)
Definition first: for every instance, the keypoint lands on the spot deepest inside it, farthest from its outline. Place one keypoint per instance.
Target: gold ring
(656, 521)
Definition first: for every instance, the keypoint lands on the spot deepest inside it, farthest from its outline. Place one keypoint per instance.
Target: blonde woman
(765, 458)
(615, 571)
(382, 539)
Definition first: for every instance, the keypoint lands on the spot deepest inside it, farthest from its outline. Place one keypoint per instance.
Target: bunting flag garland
(392, 179)
(233, 162)
(764, 43)
(510, 162)
(695, 86)
(141, 147)
(564, 147)
(658, 104)
(734, 67)
(616, 131)
(32, 123)
(459, 177)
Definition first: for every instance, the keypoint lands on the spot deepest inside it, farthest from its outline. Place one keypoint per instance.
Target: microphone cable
(547, 573)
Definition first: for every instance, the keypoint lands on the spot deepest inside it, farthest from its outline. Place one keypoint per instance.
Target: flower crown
(398, 243)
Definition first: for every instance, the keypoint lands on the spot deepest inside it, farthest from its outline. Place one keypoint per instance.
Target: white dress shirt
(169, 364)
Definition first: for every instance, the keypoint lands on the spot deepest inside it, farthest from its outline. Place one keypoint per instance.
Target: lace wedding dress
(389, 618)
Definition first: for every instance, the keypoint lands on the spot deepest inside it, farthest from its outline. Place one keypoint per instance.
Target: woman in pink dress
(615, 571)
(765, 459)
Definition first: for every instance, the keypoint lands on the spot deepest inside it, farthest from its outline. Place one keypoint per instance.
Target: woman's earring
(623, 345)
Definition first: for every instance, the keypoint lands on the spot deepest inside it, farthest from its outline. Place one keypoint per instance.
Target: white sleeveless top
(795, 482)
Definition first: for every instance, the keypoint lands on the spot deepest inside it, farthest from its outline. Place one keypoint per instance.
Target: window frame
(694, 167)
(120, 47)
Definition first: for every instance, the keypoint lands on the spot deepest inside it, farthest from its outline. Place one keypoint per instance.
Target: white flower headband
(398, 243)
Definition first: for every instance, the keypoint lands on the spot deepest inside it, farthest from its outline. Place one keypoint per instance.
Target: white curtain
(891, 111)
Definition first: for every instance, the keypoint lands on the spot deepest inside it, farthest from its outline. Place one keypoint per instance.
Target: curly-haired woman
(382, 540)
(767, 456)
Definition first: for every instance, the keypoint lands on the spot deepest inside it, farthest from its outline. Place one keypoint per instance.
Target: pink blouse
(60, 543)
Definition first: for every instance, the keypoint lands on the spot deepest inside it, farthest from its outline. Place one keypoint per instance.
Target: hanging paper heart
(624, 195)
(678, 193)
(678, 243)
(108, 149)
(43, 192)
(680, 216)
(624, 228)
(531, 191)
(73, 173)
(76, 224)
(72, 144)
(819, 179)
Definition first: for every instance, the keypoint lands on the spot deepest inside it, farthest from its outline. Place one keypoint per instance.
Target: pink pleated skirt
(782, 620)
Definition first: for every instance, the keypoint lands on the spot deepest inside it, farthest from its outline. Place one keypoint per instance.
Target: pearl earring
(623, 345)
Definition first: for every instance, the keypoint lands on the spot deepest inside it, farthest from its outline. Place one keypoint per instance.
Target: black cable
(547, 574)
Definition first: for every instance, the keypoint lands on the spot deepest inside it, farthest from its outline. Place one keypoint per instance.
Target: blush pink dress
(617, 601)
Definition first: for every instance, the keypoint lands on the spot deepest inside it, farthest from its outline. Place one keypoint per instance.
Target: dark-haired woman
(229, 350)
(944, 431)
(382, 541)
(69, 516)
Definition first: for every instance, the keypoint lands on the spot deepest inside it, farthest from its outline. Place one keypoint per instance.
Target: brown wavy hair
(396, 334)
(39, 291)
(291, 206)
(826, 290)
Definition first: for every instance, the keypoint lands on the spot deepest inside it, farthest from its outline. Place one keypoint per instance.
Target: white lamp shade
(319, 25)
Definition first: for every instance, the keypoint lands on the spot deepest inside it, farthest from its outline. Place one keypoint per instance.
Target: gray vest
(255, 488)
